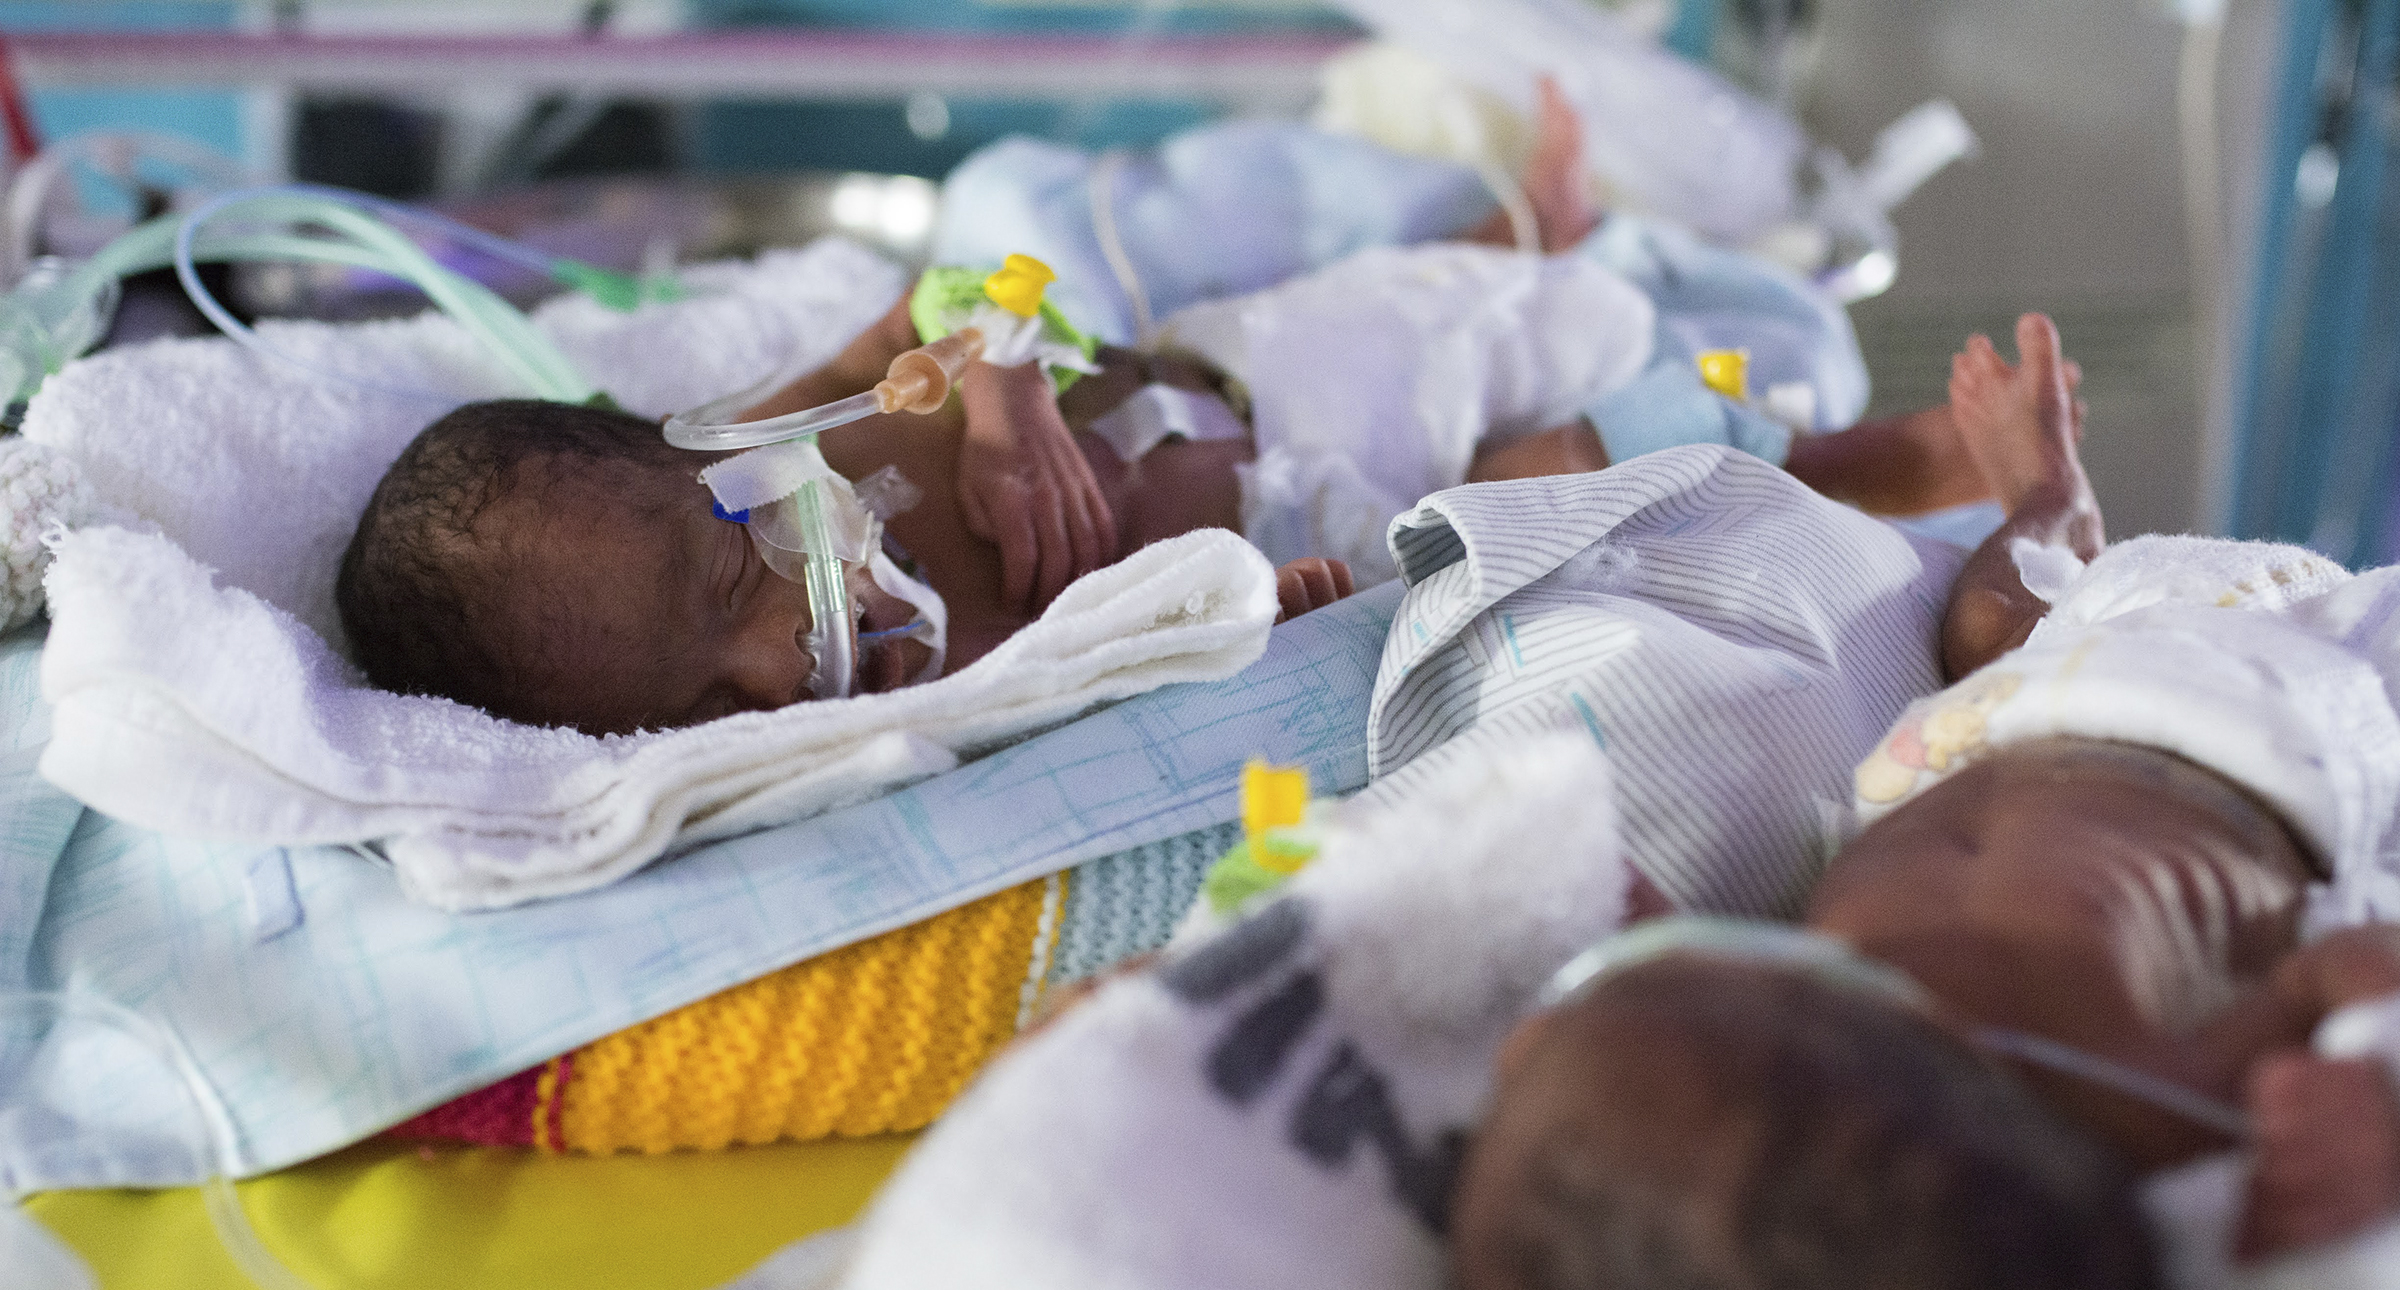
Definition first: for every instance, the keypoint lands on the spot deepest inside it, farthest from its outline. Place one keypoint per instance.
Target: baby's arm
(2020, 424)
(2326, 1130)
(1025, 487)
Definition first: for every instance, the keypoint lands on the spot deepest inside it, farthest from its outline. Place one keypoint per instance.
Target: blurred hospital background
(2195, 189)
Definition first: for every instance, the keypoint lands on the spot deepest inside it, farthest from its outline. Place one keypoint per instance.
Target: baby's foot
(2327, 1153)
(1556, 183)
(2020, 422)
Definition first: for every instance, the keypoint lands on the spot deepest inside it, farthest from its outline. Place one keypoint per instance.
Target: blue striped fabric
(1736, 642)
(1129, 903)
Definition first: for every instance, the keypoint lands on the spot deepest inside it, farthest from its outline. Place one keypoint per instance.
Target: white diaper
(2267, 664)
(1372, 382)
(1157, 413)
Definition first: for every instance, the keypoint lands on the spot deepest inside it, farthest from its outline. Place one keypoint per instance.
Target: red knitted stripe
(558, 1102)
(498, 1116)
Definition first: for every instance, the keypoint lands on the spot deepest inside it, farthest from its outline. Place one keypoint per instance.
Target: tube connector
(919, 381)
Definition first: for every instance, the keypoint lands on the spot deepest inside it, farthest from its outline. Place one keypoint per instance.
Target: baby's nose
(770, 660)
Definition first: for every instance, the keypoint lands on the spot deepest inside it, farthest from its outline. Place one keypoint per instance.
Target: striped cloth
(1734, 641)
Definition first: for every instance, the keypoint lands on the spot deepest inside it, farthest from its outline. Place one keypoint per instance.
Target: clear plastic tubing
(372, 244)
(918, 381)
(619, 291)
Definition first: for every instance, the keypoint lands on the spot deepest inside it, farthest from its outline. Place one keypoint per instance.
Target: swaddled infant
(2139, 859)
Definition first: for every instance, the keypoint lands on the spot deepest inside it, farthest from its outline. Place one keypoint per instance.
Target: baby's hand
(1310, 583)
(2326, 1153)
(1026, 488)
(2326, 1130)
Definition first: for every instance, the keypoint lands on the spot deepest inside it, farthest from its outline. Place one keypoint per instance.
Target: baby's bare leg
(1176, 487)
(1903, 465)
(1556, 183)
(1570, 449)
(2020, 424)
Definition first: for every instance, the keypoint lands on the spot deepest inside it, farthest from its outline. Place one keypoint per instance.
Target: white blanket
(1284, 1103)
(196, 692)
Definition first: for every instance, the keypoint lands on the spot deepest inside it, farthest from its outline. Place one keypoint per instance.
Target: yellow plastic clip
(1727, 371)
(1019, 284)
(1274, 799)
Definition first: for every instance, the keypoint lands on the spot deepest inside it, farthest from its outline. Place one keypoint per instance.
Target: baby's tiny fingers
(1291, 594)
(1020, 553)
(1057, 550)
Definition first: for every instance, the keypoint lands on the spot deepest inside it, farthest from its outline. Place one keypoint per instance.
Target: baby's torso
(1175, 488)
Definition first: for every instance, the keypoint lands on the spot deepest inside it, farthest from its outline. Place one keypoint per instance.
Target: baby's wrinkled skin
(2120, 899)
(2114, 898)
(2133, 905)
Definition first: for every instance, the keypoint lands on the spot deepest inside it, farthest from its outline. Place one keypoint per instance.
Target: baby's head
(561, 565)
(2105, 896)
(1697, 1121)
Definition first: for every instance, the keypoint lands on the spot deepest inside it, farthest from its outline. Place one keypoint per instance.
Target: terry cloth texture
(197, 688)
(1372, 382)
(876, 1038)
(2268, 664)
(1735, 641)
(1310, 1073)
(39, 491)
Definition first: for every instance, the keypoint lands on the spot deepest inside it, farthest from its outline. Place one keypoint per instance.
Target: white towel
(260, 468)
(196, 690)
(202, 710)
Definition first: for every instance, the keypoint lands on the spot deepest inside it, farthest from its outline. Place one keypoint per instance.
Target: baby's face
(630, 606)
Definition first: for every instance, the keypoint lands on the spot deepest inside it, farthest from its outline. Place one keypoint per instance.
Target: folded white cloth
(1373, 381)
(202, 710)
(194, 664)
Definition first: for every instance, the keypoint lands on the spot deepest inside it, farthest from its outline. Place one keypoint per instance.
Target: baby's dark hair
(418, 583)
(1880, 1153)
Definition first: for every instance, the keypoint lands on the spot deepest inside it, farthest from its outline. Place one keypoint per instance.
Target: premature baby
(2138, 859)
